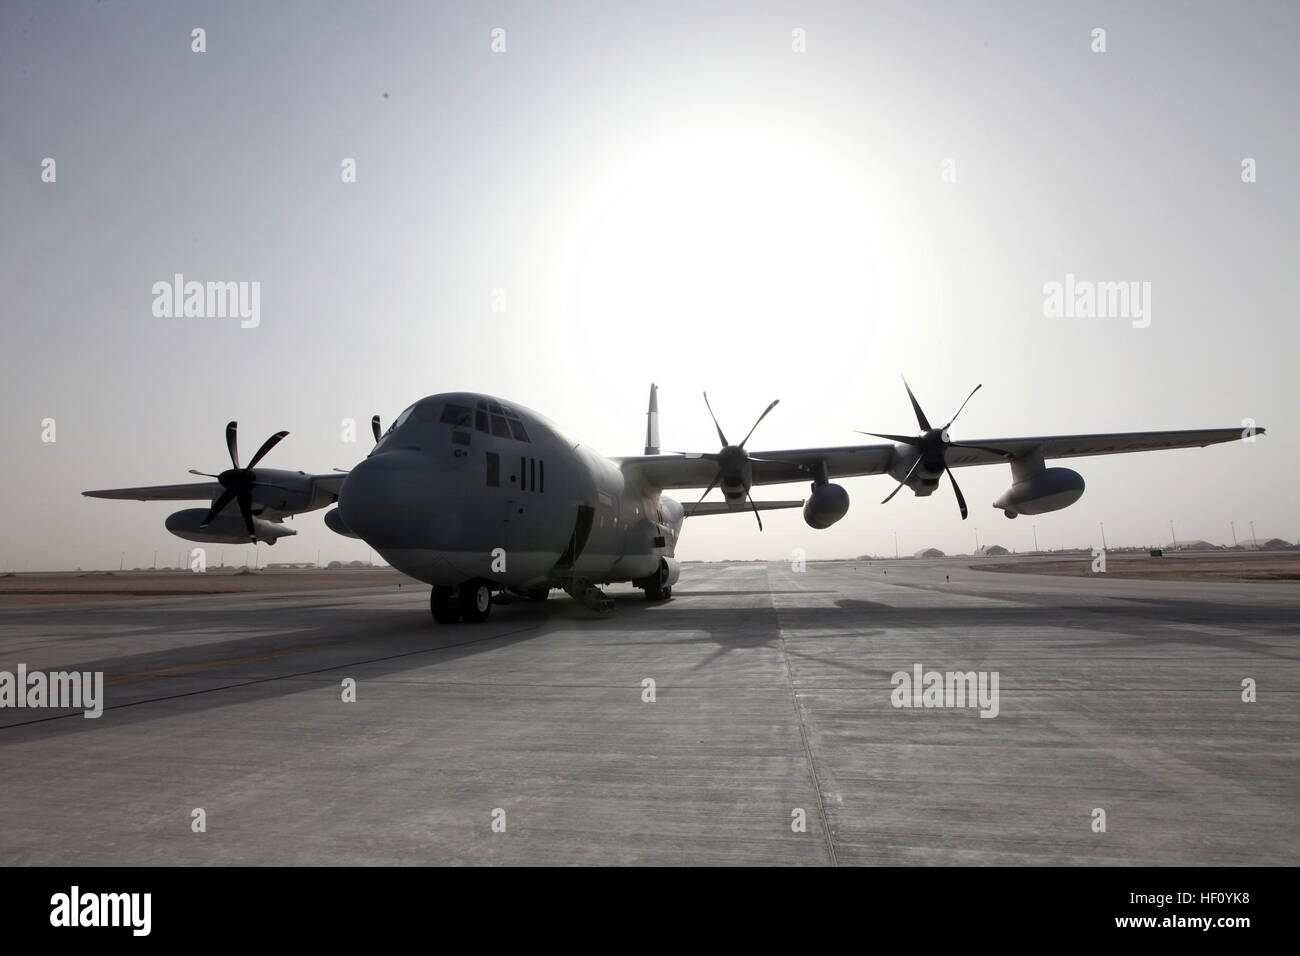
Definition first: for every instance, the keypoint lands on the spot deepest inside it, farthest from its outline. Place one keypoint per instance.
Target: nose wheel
(471, 602)
(443, 605)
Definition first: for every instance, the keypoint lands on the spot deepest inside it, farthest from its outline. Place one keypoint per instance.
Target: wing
(726, 508)
(1079, 446)
(327, 484)
(774, 468)
(848, 461)
(193, 491)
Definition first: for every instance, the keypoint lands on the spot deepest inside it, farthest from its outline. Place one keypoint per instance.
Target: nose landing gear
(470, 602)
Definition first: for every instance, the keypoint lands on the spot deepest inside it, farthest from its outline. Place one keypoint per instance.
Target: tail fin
(652, 422)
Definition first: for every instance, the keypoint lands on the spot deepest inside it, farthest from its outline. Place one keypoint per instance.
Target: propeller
(374, 428)
(731, 458)
(932, 446)
(239, 482)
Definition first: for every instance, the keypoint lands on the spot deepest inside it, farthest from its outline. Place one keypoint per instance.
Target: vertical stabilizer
(652, 422)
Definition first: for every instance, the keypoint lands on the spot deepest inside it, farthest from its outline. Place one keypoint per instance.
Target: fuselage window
(457, 415)
(493, 470)
(499, 427)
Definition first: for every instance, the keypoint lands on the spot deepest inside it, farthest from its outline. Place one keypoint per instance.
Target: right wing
(193, 491)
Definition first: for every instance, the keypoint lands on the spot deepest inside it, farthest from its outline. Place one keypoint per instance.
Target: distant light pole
(895, 545)
(1035, 537)
(1254, 540)
(1234, 533)
(977, 540)
(1173, 538)
(1102, 525)
(155, 560)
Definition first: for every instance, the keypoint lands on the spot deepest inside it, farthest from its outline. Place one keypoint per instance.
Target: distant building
(992, 551)
(929, 553)
(1196, 545)
(1266, 544)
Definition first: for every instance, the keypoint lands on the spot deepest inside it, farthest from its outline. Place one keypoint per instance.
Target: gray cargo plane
(476, 496)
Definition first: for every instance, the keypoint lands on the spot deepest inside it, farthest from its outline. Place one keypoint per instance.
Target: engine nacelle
(1048, 490)
(224, 529)
(826, 505)
(334, 521)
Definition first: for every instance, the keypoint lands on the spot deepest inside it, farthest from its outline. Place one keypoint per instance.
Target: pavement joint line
(267, 680)
(803, 733)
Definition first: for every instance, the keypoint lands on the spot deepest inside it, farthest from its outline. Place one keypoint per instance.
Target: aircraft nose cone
(381, 499)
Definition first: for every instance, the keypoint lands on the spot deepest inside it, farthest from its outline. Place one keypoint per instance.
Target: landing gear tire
(475, 601)
(443, 605)
(658, 588)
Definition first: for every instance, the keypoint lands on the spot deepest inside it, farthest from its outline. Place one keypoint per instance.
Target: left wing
(848, 461)
(780, 467)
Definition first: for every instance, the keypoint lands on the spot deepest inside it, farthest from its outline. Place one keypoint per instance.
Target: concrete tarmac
(773, 702)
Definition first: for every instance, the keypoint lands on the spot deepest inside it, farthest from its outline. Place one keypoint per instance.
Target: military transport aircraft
(476, 496)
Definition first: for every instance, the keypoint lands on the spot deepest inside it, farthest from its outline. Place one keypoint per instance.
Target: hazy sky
(654, 192)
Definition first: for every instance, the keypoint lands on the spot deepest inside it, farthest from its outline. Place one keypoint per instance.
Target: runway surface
(772, 696)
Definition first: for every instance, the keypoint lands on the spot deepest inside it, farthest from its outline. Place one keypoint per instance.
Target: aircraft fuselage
(467, 487)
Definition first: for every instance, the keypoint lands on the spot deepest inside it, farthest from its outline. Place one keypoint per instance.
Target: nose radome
(381, 498)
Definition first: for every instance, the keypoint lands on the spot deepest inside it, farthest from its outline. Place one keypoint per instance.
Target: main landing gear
(471, 602)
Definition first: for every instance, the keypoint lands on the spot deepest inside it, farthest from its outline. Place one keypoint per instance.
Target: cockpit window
(517, 429)
(481, 421)
(400, 420)
(426, 411)
(499, 427)
(459, 415)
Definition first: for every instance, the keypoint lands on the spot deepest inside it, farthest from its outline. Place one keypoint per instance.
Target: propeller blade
(755, 507)
(997, 451)
(904, 439)
(916, 406)
(246, 509)
(963, 404)
(374, 427)
(226, 497)
(266, 446)
(203, 474)
(916, 464)
(721, 436)
(712, 485)
(760, 418)
(232, 442)
(961, 502)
